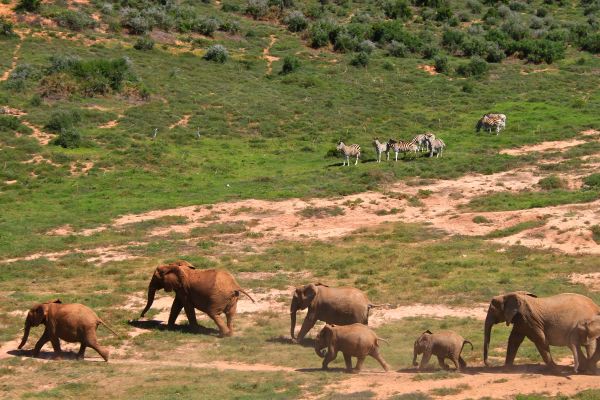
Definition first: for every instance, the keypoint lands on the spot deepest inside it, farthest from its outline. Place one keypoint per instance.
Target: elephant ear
(183, 263)
(428, 331)
(525, 293)
(175, 278)
(513, 305)
(327, 333)
(310, 292)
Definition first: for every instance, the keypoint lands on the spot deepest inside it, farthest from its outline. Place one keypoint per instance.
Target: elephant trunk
(490, 320)
(319, 349)
(151, 293)
(26, 333)
(293, 310)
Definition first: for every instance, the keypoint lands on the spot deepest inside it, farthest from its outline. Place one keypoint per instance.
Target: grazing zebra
(401, 146)
(422, 142)
(436, 145)
(381, 148)
(492, 121)
(352, 150)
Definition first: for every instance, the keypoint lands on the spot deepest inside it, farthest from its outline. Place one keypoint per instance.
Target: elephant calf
(443, 345)
(69, 322)
(355, 340)
(585, 334)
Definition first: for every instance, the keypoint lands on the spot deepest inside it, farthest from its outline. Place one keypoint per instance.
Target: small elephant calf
(355, 340)
(69, 322)
(584, 334)
(443, 345)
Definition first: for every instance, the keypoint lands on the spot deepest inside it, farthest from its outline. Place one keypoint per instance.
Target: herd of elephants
(566, 319)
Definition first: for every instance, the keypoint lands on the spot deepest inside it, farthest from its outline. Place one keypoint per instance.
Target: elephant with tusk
(340, 306)
(211, 291)
(546, 321)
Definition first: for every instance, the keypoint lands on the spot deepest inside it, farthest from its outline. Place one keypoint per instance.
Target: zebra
(492, 121)
(381, 148)
(401, 146)
(347, 151)
(422, 142)
(436, 145)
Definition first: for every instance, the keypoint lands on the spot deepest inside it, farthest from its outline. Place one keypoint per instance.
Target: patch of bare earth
(81, 168)
(558, 146)
(591, 280)
(270, 59)
(184, 121)
(430, 69)
(43, 137)
(381, 316)
(98, 255)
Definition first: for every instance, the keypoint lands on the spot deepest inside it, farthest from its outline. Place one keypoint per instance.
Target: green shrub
(296, 21)
(441, 63)
(68, 139)
(397, 9)
(475, 6)
(592, 181)
(480, 219)
(345, 43)
(517, 6)
(475, 46)
(63, 120)
(99, 76)
(494, 53)
(396, 49)
(430, 50)
(387, 31)
(257, 8)
(74, 20)
(6, 28)
(542, 50)
(595, 233)
(515, 28)
(61, 63)
(322, 32)
(232, 27)
(366, 46)
(443, 13)
(205, 26)
(591, 43)
(475, 67)
(290, 64)
(230, 7)
(135, 22)
(28, 5)
(551, 182)
(9, 123)
(361, 59)
(144, 43)
(217, 53)
(452, 39)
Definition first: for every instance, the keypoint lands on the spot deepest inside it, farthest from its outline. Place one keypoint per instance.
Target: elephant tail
(376, 305)
(383, 340)
(240, 290)
(108, 327)
(465, 342)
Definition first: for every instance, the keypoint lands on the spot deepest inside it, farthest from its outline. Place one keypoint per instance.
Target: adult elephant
(339, 306)
(546, 321)
(212, 291)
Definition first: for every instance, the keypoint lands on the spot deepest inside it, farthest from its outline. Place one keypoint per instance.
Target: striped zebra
(491, 121)
(422, 142)
(381, 148)
(401, 146)
(436, 145)
(347, 151)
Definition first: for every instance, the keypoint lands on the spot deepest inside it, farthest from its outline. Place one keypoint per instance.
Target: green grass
(513, 230)
(526, 200)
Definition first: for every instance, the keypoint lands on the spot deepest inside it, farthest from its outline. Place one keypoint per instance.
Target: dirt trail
(43, 137)
(184, 121)
(15, 59)
(270, 59)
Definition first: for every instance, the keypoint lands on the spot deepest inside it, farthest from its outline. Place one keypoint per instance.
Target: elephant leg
(575, 350)
(544, 351)
(229, 314)
(594, 358)
(40, 343)
(92, 342)
(359, 363)
(375, 354)
(81, 353)
(514, 341)
(442, 363)
(223, 331)
(307, 325)
(190, 312)
(456, 363)
(56, 346)
(425, 359)
(329, 357)
(348, 361)
(175, 311)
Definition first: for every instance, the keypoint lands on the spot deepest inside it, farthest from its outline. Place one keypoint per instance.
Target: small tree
(68, 139)
(217, 53)
(290, 64)
(6, 27)
(441, 63)
(296, 21)
(361, 59)
(144, 43)
(397, 9)
(28, 5)
(257, 8)
(476, 67)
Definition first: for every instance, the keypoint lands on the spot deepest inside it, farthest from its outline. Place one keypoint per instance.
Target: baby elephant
(584, 334)
(69, 322)
(355, 340)
(443, 345)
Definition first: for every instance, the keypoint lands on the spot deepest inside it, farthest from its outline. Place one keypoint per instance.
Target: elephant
(340, 306)
(443, 345)
(69, 322)
(585, 333)
(211, 291)
(355, 340)
(546, 321)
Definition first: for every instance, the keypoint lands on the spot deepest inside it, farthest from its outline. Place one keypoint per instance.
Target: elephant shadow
(153, 324)
(306, 342)
(537, 369)
(319, 369)
(44, 354)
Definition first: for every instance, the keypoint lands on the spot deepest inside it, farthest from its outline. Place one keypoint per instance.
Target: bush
(230, 7)
(68, 139)
(441, 63)
(517, 6)
(387, 31)
(205, 26)
(475, 46)
(99, 76)
(551, 182)
(504, 11)
(257, 8)
(476, 67)
(318, 36)
(9, 123)
(475, 6)
(430, 50)
(57, 86)
(24, 72)
(296, 21)
(74, 20)
(6, 28)
(592, 181)
(541, 12)
(591, 43)
(232, 27)
(538, 51)
(443, 13)
(217, 53)
(367, 46)
(515, 28)
(135, 22)
(28, 5)
(144, 43)
(452, 39)
(361, 59)
(536, 23)
(494, 53)
(345, 43)
(63, 120)
(396, 49)
(290, 64)
(397, 9)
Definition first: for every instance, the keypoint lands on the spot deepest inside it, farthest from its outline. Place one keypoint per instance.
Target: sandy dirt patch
(591, 280)
(81, 168)
(110, 124)
(383, 316)
(552, 147)
(38, 159)
(184, 121)
(98, 255)
(430, 69)
(15, 59)
(270, 59)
